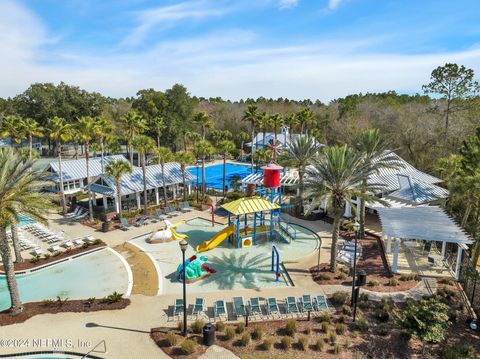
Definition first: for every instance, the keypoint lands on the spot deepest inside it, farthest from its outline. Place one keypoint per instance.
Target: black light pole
(183, 247)
(197, 181)
(356, 226)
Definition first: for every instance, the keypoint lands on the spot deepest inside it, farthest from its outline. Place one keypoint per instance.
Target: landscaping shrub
(325, 327)
(48, 302)
(341, 276)
(113, 298)
(188, 347)
(171, 339)
(446, 293)
(286, 343)
(387, 304)
(383, 329)
(220, 326)
(267, 344)
(85, 245)
(91, 300)
(332, 337)
(197, 326)
(240, 328)
(340, 328)
(361, 325)
(381, 315)
(307, 330)
(458, 351)
(373, 283)
(35, 259)
(446, 280)
(180, 325)
(324, 317)
(337, 348)
(404, 336)
(229, 332)
(302, 343)
(407, 277)
(452, 316)
(56, 253)
(291, 327)
(339, 298)
(245, 339)
(342, 318)
(344, 269)
(97, 241)
(46, 255)
(346, 309)
(319, 344)
(323, 276)
(257, 333)
(393, 282)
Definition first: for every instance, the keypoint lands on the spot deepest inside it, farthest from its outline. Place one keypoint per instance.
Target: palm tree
(263, 122)
(260, 155)
(133, 125)
(31, 128)
(158, 125)
(337, 175)
(116, 169)
(20, 192)
(225, 148)
(306, 117)
(374, 149)
(291, 120)
(60, 132)
(184, 159)
(144, 144)
(88, 130)
(162, 156)
(252, 115)
(11, 126)
(192, 137)
(203, 120)
(220, 135)
(276, 121)
(300, 154)
(242, 137)
(104, 129)
(203, 149)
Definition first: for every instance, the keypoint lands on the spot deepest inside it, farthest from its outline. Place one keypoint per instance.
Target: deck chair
(185, 207)
(321, 302)
(76, 212)
(238, 307)
(178, 307)
(173, 211)
(124, 224)
(272, 306)
(307, 305)
(219, 309)
(199, 306)
(160, 215)
(139, 222)
(291, 305)
(254, 306)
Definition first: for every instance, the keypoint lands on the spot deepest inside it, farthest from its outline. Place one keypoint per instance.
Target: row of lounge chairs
(45, 234)
(254, 308)
(78, 214)
(346, 252)
(168, 212)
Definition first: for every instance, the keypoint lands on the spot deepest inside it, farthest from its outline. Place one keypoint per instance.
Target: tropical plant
(104, 128)
(184, 159)
(30, 128)
(158, 125)
(20, 193)
(133, 125)
(225, 148)
(11, 126)
(60, 131)
(263, 123)
(191, 137)
(220, 135)
(88, 129)
(336, 175)
(162, 156)
(241, 137)
(116, 169)
(204, 120)
(291, 120)
(252, 116)
(275, 121)
(203, 149)
(260, 156)
(144, 144)
(374, 149)
(305, 118)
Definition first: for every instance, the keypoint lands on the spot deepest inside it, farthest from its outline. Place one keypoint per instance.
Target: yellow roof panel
(249, 205)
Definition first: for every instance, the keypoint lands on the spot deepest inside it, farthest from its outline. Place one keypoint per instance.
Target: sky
(317, 49)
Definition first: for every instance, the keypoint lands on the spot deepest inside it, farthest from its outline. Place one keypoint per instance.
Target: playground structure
(276, 264)
(167, 234)
(250, 217)
(195, 269)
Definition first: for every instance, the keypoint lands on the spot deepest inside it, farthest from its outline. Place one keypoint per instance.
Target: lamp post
(197, 181)
(356, 226)
(183, 247)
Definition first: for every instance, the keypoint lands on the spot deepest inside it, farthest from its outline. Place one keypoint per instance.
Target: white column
(348, 210)
(444, 248)
(117, 207)
(139, 204)
(395, 255)
(459, 259)
(189, 189)
(105, 203)
(389, 244)
(94, 198)
(157, 199)
(174, 190)
(358, 209)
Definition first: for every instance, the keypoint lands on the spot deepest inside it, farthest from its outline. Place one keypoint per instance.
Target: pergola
(427, 223)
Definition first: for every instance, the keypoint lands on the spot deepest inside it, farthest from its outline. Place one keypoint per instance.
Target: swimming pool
(24, 220)
(214, 174)
(93, 275)
(245, 268)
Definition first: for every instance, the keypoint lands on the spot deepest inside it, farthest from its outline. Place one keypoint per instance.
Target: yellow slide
(216, 240)
(177, 236)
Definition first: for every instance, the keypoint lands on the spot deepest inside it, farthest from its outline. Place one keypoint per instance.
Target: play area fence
(470, 281)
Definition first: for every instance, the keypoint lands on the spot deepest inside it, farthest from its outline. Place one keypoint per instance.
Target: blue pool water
(214, 174)
(24, 220)
(93, 275)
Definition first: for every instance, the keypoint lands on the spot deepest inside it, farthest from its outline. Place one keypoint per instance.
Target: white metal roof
(77, 169)
(416, 191)
(428, 223)
(133, 183)
(287, 179)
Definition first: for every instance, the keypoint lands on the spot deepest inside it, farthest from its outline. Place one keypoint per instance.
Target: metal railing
(470, 282)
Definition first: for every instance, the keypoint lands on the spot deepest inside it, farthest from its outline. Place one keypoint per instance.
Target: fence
(470, 281)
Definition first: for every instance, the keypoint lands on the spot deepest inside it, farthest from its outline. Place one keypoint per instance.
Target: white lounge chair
(54, 248)
(76, 212)
(37, 251)
(67, 244)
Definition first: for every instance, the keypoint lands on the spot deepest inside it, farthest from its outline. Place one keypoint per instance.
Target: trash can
(208, 334)
(361, 278)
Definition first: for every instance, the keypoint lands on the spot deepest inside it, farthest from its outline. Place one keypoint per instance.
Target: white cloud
(287, 4)
(333, 4)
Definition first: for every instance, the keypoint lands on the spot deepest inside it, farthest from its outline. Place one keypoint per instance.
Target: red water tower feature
(271, 175)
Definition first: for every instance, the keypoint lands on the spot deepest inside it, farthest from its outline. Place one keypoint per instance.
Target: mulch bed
(74, 306)
(372, 263)
(159, 334)
(65, 254)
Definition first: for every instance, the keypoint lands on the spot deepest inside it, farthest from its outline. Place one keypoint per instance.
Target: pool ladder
(95, 347)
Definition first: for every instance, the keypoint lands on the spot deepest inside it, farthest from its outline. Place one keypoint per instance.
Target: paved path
(216, 352)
